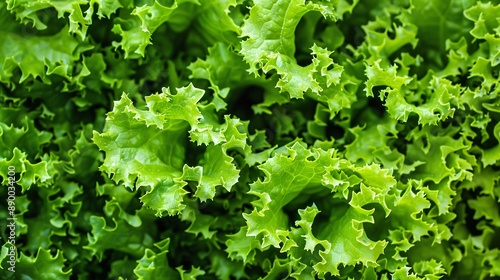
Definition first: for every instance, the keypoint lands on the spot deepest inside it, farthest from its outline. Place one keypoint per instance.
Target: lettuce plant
(287, 139)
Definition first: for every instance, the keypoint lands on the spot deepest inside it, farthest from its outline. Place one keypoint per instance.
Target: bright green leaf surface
(236, 139)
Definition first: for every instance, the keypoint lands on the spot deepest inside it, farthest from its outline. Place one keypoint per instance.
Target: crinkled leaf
(43, 266)
(287, 175)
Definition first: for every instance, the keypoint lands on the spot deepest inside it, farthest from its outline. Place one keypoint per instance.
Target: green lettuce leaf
(37, 56)
(137, 26)
(43, 266)
(287, 175)
(235, 139)
(275, 48)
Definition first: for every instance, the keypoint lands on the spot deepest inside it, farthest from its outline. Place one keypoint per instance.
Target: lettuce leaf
(185, 139)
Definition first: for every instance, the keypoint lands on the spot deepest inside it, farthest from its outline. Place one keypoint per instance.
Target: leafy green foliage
(283, 139)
